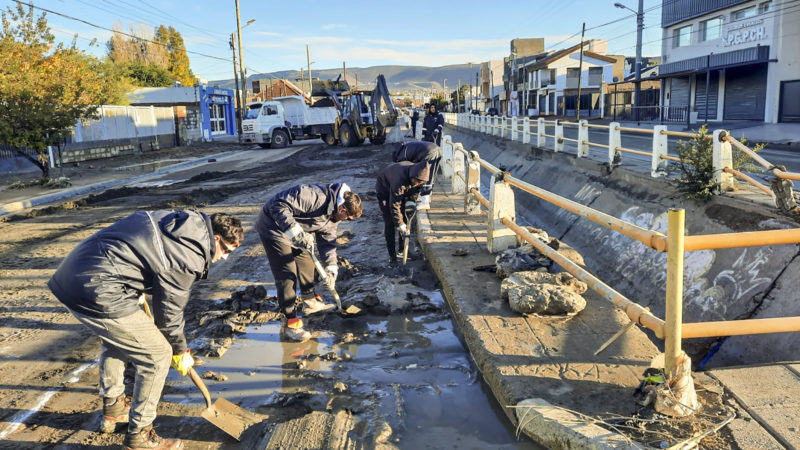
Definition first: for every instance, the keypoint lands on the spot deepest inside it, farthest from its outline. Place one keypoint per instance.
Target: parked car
(475, 112)
(492, 112)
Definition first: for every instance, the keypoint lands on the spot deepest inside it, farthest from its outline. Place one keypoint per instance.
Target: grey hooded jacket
(416, 151)
(161, 253)
(311, 206)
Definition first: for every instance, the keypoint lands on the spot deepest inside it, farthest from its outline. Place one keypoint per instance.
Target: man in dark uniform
(416, 151)
(432, 126)
(161, 253)
(290, 224)
(414, 119)
(397, 184)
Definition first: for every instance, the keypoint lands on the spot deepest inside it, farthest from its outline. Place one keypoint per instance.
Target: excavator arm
(382, 107)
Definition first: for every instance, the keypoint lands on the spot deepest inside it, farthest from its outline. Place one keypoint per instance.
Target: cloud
(333, 26)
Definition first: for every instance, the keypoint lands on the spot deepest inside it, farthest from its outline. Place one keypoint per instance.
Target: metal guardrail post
(674, 310)
(540, 139)
(722, 158)
(514, 129)
(658, 165)
(526, 130)
(447, 157)
(583, 139)
(559, 135)
(501, 205)
(472, 206)
(457, 185)
(614, 141)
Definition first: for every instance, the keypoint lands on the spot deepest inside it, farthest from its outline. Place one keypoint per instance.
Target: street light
(639, 27)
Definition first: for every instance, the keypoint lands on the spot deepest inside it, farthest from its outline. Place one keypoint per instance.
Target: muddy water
(407, 369)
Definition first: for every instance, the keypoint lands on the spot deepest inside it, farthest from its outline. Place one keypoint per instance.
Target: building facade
(732, 59)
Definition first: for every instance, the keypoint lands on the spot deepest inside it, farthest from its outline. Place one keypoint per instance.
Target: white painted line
(17, 421)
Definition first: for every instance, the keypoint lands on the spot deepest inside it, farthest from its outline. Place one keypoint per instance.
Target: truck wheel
(279, 139)
(346, 136)
(329, 139)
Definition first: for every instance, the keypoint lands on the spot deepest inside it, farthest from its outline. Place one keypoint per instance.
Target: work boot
(315, 305)
(292, 330)
(115, 411)
(147, 438)
(424, 203)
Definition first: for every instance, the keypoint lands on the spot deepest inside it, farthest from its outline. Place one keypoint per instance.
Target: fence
(525, 130)
(463, 168)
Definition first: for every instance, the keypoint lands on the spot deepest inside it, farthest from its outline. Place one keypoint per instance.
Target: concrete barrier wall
(721, 284)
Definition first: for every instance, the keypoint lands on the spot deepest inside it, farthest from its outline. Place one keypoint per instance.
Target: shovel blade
(229, 417)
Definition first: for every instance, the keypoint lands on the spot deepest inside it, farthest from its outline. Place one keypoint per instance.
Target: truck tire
(279, 139)
(329, 139)
(346, 136)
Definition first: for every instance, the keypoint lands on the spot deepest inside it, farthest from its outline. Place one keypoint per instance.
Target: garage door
(745, 92)
(678, 92)
(700, 95)
(790, 101)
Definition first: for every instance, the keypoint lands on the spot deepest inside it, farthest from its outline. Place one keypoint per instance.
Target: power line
(112, 30)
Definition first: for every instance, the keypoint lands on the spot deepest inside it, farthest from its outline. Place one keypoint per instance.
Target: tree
(440, 102)
(458, 97)
(46, 88)
(178, 59)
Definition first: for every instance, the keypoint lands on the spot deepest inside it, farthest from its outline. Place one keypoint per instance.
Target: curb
(22, 205)
(545, 423)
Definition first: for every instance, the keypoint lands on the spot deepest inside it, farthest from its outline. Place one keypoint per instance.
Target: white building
(746, 52)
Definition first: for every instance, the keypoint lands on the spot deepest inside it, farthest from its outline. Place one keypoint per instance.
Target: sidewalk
(547, 363)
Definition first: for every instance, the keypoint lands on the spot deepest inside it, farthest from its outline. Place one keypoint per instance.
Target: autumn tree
(178, 66)
(45, 88)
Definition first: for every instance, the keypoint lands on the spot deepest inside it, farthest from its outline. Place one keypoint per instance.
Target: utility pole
(344, 70)
(241, 61)
(238, 92)
(458, 100)
(580, 73)
(308, 61)
(477, 84)
(637, 86)
(356, 80)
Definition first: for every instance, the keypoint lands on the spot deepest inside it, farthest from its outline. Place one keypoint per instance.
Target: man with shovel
(397, 184)
(416, 151)
(161, 253)
(290, 225)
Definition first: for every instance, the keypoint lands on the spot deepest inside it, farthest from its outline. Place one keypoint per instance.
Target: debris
(352, 310)
(544, 293)
(210, 375)
(345, 238)
(460, 252)
(677, 397)
(519, 259)
(383, 431)
(339, 387)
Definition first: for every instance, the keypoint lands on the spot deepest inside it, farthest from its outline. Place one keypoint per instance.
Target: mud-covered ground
(396, 367)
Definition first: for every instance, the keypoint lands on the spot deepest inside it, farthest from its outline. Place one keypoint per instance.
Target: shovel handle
(324, 275)
(200, 385)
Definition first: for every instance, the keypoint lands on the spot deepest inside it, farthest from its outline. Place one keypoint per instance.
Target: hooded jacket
(394, 185)
(416, 151)
(161, 253)
(311, 206)
(433, 122)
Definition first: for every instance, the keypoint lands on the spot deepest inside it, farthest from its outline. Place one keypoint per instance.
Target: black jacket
(432, 123)
(415, 116)
(158, 252)
(416, 151)
(394, 185)
(310, 205)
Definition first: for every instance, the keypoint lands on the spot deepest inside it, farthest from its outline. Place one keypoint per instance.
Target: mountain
(398, 78)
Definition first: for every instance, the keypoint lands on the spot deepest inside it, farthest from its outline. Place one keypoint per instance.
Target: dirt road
(398, 370)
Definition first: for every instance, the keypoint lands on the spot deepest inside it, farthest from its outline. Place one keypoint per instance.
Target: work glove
(435, 134)
(404, 230)
(300, 239)
(183, 362)
(333, 272)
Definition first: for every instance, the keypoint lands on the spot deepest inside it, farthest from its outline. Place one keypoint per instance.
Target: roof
(599, 56)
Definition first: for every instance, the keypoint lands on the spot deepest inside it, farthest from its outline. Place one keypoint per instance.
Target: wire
(112, 30)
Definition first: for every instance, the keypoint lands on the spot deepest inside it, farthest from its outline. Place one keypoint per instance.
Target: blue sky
(362, 33)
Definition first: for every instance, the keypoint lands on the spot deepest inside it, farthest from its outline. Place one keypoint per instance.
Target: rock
(383, 432)
(260, 292)
(544, 293)
(460, 252)
(524, 258)
(370, 300)
(267, 316)
(346, 269)
(345, 238)
(339, 387)
(220, 377)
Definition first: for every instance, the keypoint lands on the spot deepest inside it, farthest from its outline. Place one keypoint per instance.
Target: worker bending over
(289, 225)
(161, 253)
(397, 184)
(416, 151)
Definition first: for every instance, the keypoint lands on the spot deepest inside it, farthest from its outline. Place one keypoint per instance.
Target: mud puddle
(397, 367)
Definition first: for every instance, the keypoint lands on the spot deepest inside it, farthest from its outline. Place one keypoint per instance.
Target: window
(595, 76)
(744, 13)
(572, 77)
(552, 76)
(765, 7)
(681, 37)
(710, 29)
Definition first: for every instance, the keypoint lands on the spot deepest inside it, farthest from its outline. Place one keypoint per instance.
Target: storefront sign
(745, 32)
(217, 99)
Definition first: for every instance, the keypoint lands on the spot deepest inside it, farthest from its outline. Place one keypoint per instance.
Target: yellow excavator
(363, 115)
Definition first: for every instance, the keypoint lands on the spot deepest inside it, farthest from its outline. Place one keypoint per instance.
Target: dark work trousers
(290, 266)
(414, 128)
(427, 188)
(389, 228)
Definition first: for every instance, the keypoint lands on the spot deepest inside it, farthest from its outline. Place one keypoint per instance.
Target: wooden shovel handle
(200, 385)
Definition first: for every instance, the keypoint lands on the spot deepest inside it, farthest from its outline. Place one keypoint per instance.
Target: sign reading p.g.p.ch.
(745, 32)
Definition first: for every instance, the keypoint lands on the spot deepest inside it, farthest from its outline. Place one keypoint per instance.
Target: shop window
(682, 37)
(764, 7)
(744, 13)
(710, 29)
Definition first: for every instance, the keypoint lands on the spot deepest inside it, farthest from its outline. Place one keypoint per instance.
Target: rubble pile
(544, 293)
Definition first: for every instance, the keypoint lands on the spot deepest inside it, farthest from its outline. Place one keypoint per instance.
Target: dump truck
(363, 115)
(283, 120)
